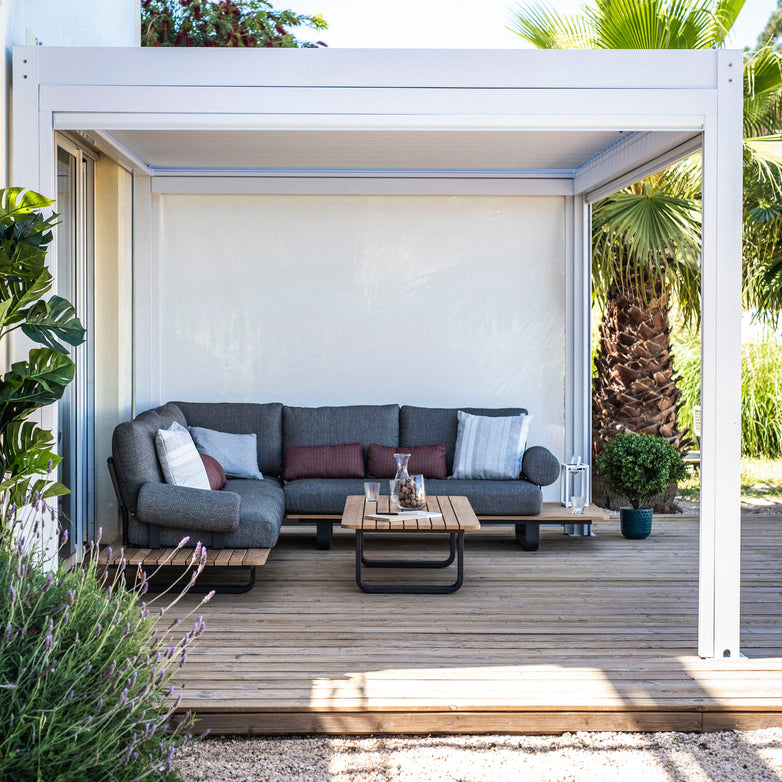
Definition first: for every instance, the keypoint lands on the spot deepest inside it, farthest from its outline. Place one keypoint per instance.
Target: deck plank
(584, 634)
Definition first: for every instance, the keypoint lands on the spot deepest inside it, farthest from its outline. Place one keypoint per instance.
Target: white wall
(58, 23)
(314, 300)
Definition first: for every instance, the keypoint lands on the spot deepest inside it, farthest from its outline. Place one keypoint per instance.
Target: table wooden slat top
(457, 514)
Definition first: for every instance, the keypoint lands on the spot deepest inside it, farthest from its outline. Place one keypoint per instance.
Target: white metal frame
(669, 102)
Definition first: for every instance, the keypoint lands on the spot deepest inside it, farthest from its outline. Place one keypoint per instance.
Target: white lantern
(574, 482)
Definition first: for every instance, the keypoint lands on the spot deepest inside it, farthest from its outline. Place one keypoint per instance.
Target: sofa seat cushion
(490, 498)
(321, 495)
(260, 517)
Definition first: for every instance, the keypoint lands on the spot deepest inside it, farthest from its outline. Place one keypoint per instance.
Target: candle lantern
(574, 482)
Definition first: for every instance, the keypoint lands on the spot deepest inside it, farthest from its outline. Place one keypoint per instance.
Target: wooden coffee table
(457, 517)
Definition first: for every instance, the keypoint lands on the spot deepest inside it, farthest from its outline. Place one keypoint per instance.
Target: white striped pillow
(180, 461)
(489, 448)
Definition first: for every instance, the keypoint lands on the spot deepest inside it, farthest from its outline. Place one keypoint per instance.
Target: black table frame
(456, 552)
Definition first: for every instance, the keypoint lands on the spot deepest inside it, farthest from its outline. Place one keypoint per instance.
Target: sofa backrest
(133, 450)
(263, 420)
(364, 424)
(431, 425)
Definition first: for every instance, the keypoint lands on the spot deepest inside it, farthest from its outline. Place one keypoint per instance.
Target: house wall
(318, 300)
(113, 323)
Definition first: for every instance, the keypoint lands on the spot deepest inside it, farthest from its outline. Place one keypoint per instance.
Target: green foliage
(686, 348)
(761, 399)
(85, 676)
(640, 466)
(26, 451)
(773, 30)
(235, 23)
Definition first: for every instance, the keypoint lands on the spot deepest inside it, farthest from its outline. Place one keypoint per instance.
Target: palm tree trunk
(634, 389)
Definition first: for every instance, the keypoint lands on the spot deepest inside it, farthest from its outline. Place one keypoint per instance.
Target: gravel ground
(755, 756)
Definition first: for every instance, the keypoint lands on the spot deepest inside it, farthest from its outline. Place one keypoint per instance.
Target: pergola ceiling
(438, 150)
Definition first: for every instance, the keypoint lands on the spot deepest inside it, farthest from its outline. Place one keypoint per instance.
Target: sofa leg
(323, 535)
(528, 534)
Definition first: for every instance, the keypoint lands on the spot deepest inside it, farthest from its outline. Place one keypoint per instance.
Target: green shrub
(85, 676)
(640, 466)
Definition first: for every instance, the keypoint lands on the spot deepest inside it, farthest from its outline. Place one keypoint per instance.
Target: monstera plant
(26, 450)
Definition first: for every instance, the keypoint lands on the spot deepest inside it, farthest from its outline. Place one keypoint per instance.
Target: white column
(720, 515)
(578, 348)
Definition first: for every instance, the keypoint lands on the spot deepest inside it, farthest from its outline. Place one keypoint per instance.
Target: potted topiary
(639, 466)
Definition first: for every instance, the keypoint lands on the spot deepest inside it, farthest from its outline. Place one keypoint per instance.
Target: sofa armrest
(199, 510)
(540, 466)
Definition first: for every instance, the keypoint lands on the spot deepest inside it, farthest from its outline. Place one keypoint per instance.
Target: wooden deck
(584, 634)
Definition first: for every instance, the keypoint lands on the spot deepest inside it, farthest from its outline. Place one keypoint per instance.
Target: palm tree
(646, 239)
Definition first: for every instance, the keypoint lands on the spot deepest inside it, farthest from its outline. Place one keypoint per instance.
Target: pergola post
(720, 514)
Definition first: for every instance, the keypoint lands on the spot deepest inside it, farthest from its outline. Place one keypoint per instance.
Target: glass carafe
(409, 488)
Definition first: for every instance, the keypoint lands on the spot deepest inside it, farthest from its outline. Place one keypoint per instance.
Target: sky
(456, 24)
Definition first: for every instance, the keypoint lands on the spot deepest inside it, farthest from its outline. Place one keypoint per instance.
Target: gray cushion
(187, 508)
(426, 425)
(327, 495)
(322, 495)
(133, 450)
(236, 453)
(365, 424)
(502, 498)
(260, 518)
(242, 418)
(540, 466)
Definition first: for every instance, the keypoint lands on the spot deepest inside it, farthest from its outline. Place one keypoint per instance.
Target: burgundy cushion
(214, 472)
(324, 461)
(426, 460)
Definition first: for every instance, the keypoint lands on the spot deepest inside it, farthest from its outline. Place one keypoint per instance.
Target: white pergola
(569, 124)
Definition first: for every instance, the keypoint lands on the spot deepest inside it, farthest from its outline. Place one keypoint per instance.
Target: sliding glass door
(75, 281)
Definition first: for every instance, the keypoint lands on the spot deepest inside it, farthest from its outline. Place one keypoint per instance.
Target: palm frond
(540, 24)
(648, 235)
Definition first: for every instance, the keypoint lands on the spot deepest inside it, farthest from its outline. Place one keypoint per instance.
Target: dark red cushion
(324, 461)
(214, 471)
(426, 460)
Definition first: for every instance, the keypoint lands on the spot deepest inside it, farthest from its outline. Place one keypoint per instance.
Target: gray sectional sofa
(249, 513)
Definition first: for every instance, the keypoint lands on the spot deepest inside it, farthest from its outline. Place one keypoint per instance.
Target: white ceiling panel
(392, 150)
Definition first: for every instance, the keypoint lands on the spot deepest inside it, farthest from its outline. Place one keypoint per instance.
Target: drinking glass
(578, 504)
(371, 491)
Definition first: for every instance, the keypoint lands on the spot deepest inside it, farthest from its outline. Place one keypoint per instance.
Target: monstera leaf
(28, 457)
(53, 323)
(34, 383)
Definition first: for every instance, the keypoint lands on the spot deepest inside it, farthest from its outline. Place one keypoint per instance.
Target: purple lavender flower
(13, 593)
(71, 597)
(47, 642)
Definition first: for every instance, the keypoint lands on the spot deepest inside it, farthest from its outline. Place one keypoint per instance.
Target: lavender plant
(86, 667)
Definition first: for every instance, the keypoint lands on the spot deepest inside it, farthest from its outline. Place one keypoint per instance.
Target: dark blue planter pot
(636, 524)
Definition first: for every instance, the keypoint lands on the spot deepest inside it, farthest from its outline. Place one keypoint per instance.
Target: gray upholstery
(321, 495)
(192, 509)
(501, 498)
(243, 418)
(261, 505)
(133, 450)
(261, 514)
(540, 466)
(364, 424)
(431, 425)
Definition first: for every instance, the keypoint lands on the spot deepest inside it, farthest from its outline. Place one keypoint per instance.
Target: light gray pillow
(237, 453)
(179, 459)
(490, 448)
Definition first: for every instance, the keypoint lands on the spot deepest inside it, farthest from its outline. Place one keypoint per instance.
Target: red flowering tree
(223, 23)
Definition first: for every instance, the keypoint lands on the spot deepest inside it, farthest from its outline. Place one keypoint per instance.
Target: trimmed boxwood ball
(640, 466)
